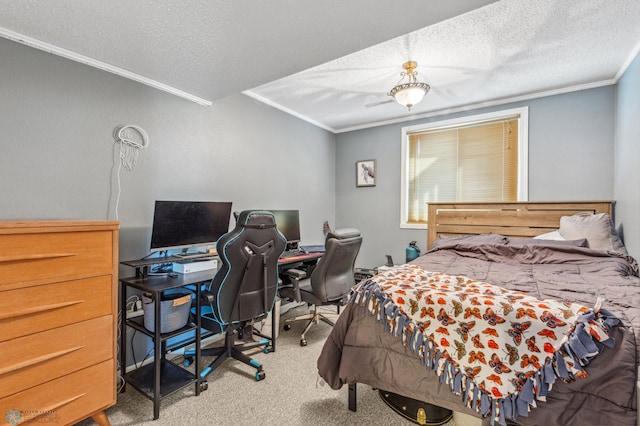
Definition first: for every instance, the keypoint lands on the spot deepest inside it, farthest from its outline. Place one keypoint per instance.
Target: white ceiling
(332, 62)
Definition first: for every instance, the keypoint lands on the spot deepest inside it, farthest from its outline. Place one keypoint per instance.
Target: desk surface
(163, 282)
(301, 258)
(139, 263)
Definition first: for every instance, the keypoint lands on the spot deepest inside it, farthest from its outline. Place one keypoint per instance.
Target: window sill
(404, 225)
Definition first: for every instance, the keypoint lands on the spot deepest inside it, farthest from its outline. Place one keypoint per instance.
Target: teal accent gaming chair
(244, 289)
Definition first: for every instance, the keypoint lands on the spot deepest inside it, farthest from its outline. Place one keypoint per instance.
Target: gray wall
(627, 156)
(571, 145)
(59, 158)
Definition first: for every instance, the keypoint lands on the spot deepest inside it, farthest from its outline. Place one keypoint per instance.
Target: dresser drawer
(63, 401)
(44, 256)
(31, 360)
(33, 309)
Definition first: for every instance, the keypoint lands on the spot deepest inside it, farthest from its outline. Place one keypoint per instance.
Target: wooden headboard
(519, 219)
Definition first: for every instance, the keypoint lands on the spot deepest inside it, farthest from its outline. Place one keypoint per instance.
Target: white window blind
(468, 162)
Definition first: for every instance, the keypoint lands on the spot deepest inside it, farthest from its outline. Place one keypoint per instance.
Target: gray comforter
(360, 351)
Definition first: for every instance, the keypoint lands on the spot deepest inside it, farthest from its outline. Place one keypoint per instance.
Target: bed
(378, 342)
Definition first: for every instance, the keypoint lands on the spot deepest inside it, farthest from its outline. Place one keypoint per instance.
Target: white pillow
(553, 235)
(598, 229)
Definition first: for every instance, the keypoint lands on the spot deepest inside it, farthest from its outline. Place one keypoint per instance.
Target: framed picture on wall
(366, 173)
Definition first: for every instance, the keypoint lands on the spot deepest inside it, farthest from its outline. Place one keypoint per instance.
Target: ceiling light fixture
(412, 92)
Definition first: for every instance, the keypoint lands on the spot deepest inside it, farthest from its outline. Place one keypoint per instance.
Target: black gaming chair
(328, 283)
(244, 288)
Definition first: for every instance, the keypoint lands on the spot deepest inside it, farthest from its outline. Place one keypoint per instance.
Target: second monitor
(288, 222)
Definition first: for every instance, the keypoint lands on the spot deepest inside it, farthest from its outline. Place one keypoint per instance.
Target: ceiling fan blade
(374, 104)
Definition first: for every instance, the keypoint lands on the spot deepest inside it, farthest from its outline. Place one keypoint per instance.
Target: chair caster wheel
(187, 361)
(303, 342)
(204, 386)
(260, 376)
(287, 327)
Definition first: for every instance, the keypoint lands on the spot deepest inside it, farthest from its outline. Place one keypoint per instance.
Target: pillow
(553, 235)
(598, 229)
(582, 242)
(473, 239)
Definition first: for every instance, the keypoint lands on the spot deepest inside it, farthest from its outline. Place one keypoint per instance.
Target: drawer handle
(37, 309)
(28, 257)
(50, 408)
(38, 360)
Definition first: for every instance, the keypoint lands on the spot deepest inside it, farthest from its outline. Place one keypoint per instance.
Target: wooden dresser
(58, 321)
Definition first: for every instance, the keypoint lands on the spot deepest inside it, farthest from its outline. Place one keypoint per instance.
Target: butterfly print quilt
(500, 349)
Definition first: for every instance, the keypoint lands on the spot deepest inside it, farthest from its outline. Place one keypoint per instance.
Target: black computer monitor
(288, 222)
(186, 224)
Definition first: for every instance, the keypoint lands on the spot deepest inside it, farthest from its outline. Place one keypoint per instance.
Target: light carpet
(292, 392)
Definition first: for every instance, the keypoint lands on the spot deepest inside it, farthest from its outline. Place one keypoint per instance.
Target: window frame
(523, 153)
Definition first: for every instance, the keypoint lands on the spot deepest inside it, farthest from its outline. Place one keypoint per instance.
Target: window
(478, 158)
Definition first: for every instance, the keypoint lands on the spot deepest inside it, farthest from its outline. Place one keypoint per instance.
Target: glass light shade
(409, 94)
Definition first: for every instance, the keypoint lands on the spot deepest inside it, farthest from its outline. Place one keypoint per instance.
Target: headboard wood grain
(518, 219)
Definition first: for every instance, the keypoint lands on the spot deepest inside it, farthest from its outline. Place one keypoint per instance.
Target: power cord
(130, 305)
(162, 268)
(132, 301)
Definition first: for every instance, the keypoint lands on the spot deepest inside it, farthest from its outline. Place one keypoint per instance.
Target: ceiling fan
(406, 93)
(375, 104)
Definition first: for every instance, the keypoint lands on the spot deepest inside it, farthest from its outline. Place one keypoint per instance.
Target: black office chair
(328, 283)
(244, 289)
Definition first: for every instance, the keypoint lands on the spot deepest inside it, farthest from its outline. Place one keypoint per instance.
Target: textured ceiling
(213, 48)
(332, 62)
(506, 50)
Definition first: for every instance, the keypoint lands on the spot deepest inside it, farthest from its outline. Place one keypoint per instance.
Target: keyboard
(314, 249)
(190, 256)
(293, 253)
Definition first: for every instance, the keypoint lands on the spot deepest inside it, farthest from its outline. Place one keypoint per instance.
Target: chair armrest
(207, 297)
(296, 275)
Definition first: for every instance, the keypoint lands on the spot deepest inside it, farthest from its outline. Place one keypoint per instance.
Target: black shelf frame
(172, 379)
(161, 378)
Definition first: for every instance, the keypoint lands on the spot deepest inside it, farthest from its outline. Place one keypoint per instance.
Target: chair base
(232, 350)
(313, 318)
